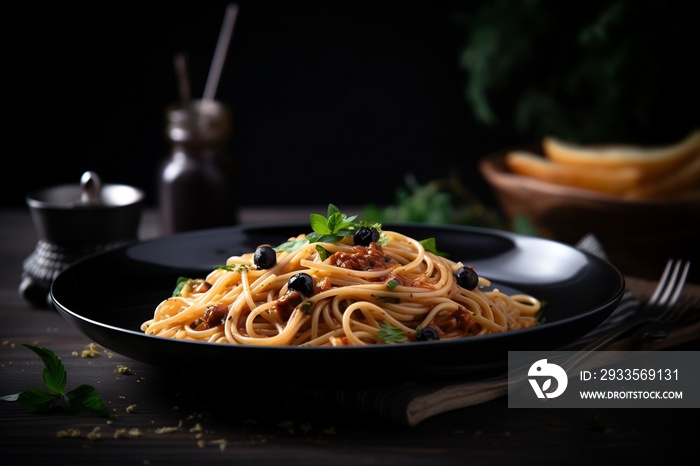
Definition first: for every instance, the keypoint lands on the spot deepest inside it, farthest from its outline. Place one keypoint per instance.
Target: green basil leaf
(291, 246)
(331, 210)
(181, 282)
(323, 253)
(37, 400)
(54, 374)
(391, 334)
(319, 224)
(85, 400)
(430, 245)
(81, 400)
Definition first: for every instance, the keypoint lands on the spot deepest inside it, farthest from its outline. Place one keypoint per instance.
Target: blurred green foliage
(439, 202)
(585, 71)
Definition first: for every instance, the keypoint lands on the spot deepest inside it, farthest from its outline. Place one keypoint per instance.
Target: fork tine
(670, 312)
(671, 285)
(674, 290)
(654, 299)
(668, 285)
(680, 284)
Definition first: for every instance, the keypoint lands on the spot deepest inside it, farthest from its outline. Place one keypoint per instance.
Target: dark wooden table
(159, 418)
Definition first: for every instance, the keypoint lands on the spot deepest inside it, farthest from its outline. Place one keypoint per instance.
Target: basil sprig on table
(81, 400)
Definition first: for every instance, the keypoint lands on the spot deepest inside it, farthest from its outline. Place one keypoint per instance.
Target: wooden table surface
(160, 418)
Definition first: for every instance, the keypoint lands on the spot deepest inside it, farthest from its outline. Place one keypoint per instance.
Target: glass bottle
(197, 186)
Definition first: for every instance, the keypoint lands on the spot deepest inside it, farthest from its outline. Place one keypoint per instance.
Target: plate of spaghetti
(337, 295)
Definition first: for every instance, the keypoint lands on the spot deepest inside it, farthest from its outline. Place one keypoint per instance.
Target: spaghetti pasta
(346, 283)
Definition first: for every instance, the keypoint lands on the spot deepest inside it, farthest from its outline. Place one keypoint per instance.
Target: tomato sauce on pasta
(333, 289)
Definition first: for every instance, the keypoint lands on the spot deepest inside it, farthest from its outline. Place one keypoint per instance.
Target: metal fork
(661, 308)
(659, 328)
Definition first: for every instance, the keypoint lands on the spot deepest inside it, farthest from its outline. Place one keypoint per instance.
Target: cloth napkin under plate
(412, 403)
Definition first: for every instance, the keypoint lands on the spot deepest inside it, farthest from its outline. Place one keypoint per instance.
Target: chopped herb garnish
(233, 268)
(323, 253)
(541, 319)
(306, 306)
(186, 286)
(332, 228)
(392, 284)
(181, 282)
(430, 245)
(391, 334)
(81, 400)
(329, 229)
(291, 246)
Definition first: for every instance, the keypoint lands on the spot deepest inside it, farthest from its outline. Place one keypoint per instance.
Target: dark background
(333, 101)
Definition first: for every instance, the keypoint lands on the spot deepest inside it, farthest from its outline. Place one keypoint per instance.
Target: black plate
(107, 296)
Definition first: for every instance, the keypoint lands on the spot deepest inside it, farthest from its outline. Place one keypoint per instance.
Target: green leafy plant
(584, 71)
(442, 202)
(82, 400)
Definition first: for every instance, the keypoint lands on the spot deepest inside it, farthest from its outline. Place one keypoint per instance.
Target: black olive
(365, 235)
(303, 283)
(467, 278)
(427, 334)
(265, 257)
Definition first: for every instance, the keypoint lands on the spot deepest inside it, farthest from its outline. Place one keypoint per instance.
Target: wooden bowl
(638, 236)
